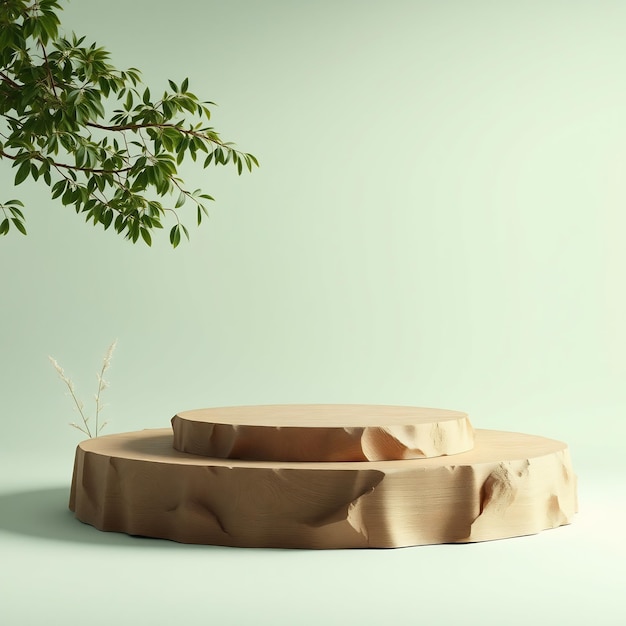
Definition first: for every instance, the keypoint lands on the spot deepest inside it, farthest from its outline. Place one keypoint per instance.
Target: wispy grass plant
(93, 429)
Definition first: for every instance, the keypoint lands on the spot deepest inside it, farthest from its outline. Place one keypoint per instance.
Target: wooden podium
(323, 476)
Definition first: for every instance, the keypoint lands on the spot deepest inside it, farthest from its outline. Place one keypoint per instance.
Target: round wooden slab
(322, 432)
(510, 484)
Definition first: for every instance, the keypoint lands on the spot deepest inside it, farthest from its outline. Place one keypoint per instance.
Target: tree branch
(90, 170)
(7, 80)
(102, 200)
(185, 131)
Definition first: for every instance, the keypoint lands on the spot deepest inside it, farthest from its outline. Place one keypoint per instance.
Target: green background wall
(438, 220)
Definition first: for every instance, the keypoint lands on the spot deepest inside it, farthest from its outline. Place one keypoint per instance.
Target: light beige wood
(510, 484)
(322, 432)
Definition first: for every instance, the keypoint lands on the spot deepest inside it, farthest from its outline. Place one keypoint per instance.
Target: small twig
(102, 384)
(82, 430)
(77, 402)
(47, 63)
(8, 80)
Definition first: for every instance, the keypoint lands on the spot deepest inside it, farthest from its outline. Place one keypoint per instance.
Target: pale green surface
(56, 570)
(438, 220)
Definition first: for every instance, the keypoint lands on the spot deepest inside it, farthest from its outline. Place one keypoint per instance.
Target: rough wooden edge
(509, 485)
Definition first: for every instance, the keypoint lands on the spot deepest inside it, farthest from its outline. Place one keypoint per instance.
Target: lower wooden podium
(509, 484)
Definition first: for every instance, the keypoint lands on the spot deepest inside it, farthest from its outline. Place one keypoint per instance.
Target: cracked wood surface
(510, 484)
(322, 432)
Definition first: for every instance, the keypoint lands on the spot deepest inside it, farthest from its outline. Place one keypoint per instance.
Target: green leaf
(145, 234)
(68, 196)
(58, 189)
(15, 212)
(175, 236)
(4, 227)
(22, 172)
(120, 223)
(168, 144)
(19, 225)
(181, 200)
(105, 86)
(107, 218)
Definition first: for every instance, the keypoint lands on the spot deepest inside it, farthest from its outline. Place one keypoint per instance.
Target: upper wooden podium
(322, 432)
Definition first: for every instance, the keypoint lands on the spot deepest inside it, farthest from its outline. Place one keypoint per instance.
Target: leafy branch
(118, 171)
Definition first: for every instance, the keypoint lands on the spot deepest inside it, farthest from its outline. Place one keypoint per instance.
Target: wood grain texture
(510, 484)
(322, 432)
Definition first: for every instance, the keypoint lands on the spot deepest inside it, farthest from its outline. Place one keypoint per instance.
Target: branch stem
(9, 81)
(37, 157)
(123, 127)
(49, 71)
